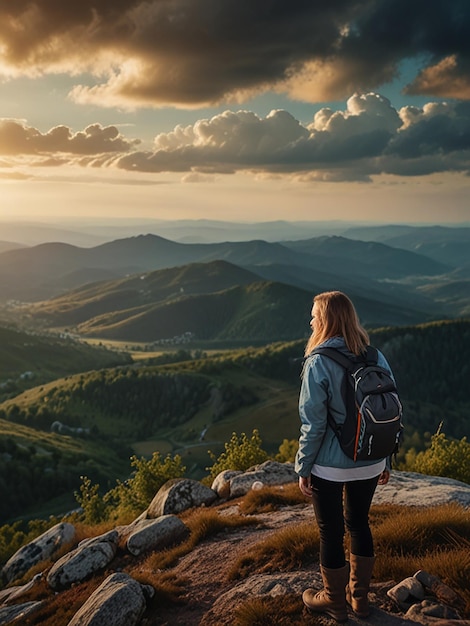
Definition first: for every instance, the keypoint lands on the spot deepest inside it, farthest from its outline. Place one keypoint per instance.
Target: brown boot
(331, 599)
(359, 582)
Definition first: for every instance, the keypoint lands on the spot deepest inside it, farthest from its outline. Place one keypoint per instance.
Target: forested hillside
(193, 405)
(29, 358)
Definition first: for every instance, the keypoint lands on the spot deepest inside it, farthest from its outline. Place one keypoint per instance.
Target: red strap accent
(358, 428)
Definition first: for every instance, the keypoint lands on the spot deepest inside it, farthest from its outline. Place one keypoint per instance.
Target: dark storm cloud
(196, 52)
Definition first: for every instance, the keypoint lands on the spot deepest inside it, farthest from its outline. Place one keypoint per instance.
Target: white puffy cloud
(369, 137)
(17, 138)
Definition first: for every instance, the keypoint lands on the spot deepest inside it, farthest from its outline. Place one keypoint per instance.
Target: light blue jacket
(320, 391)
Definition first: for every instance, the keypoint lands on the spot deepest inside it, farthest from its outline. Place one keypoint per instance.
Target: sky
(250, 110)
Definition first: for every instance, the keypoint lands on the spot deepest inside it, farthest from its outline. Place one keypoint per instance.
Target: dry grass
(414, 531)
(168, 587)
(58, 609)
(290, 548)
(433, 539)
(281, 610)
(270, 499)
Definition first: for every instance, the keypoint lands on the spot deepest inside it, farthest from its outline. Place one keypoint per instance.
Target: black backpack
(373, 426)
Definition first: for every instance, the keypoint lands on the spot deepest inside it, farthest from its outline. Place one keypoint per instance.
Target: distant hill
(35, 273)
(9, 245)
(28, 359)
(390, 284)
(140, 290)
(447, 245)
(370, 259)
(212, 301)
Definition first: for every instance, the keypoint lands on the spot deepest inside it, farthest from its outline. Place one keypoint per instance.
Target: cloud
(369, 137)
(17, 138)
(192, 53)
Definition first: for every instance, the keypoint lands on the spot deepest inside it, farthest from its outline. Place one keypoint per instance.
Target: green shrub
(93, 506)
(445, 457)
(132, 496)
(287, 451)
(240, 454)
(149, 475)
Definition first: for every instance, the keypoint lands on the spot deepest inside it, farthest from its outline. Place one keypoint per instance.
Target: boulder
(179, 494)
(221, 483)
(118, 601)
(17, 612)
(90, 556)
(41, 549)
(407, 592)
(268, 473)
(413, 489)
(155, 534)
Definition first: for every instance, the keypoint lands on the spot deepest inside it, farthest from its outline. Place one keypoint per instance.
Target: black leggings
(330, 516)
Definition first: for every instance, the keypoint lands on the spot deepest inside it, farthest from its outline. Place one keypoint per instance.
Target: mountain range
(148, 288)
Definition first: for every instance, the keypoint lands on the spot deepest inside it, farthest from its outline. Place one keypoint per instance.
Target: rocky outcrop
(268, 473)
(177, 495)
(119, 601)
(412, 489)
(155, 534)
(41, 549)
(426, 599)
(90, 556)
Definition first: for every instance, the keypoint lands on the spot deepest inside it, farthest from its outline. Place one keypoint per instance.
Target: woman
(325, 472)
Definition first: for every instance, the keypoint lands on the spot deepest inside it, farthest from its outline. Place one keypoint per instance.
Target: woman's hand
(384, 477)
(305, 486)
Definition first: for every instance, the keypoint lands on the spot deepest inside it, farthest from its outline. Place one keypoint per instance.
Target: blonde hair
(335, 316)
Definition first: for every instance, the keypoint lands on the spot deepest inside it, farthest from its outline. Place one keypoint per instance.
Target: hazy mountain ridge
(212, 301)
(443, 244)
(371, 259)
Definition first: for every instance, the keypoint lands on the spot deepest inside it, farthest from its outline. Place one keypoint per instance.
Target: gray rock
(413, 489)
(407, 591)
(177, 495)
(89, 557)
(442, 591)
(155, 534)
(427, 611)
(118, 601)
(268, 473)
(12, 594)
(41, 549)
(17, 612)
(221, 483)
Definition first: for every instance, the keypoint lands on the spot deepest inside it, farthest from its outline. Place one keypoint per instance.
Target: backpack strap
(370, 357)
